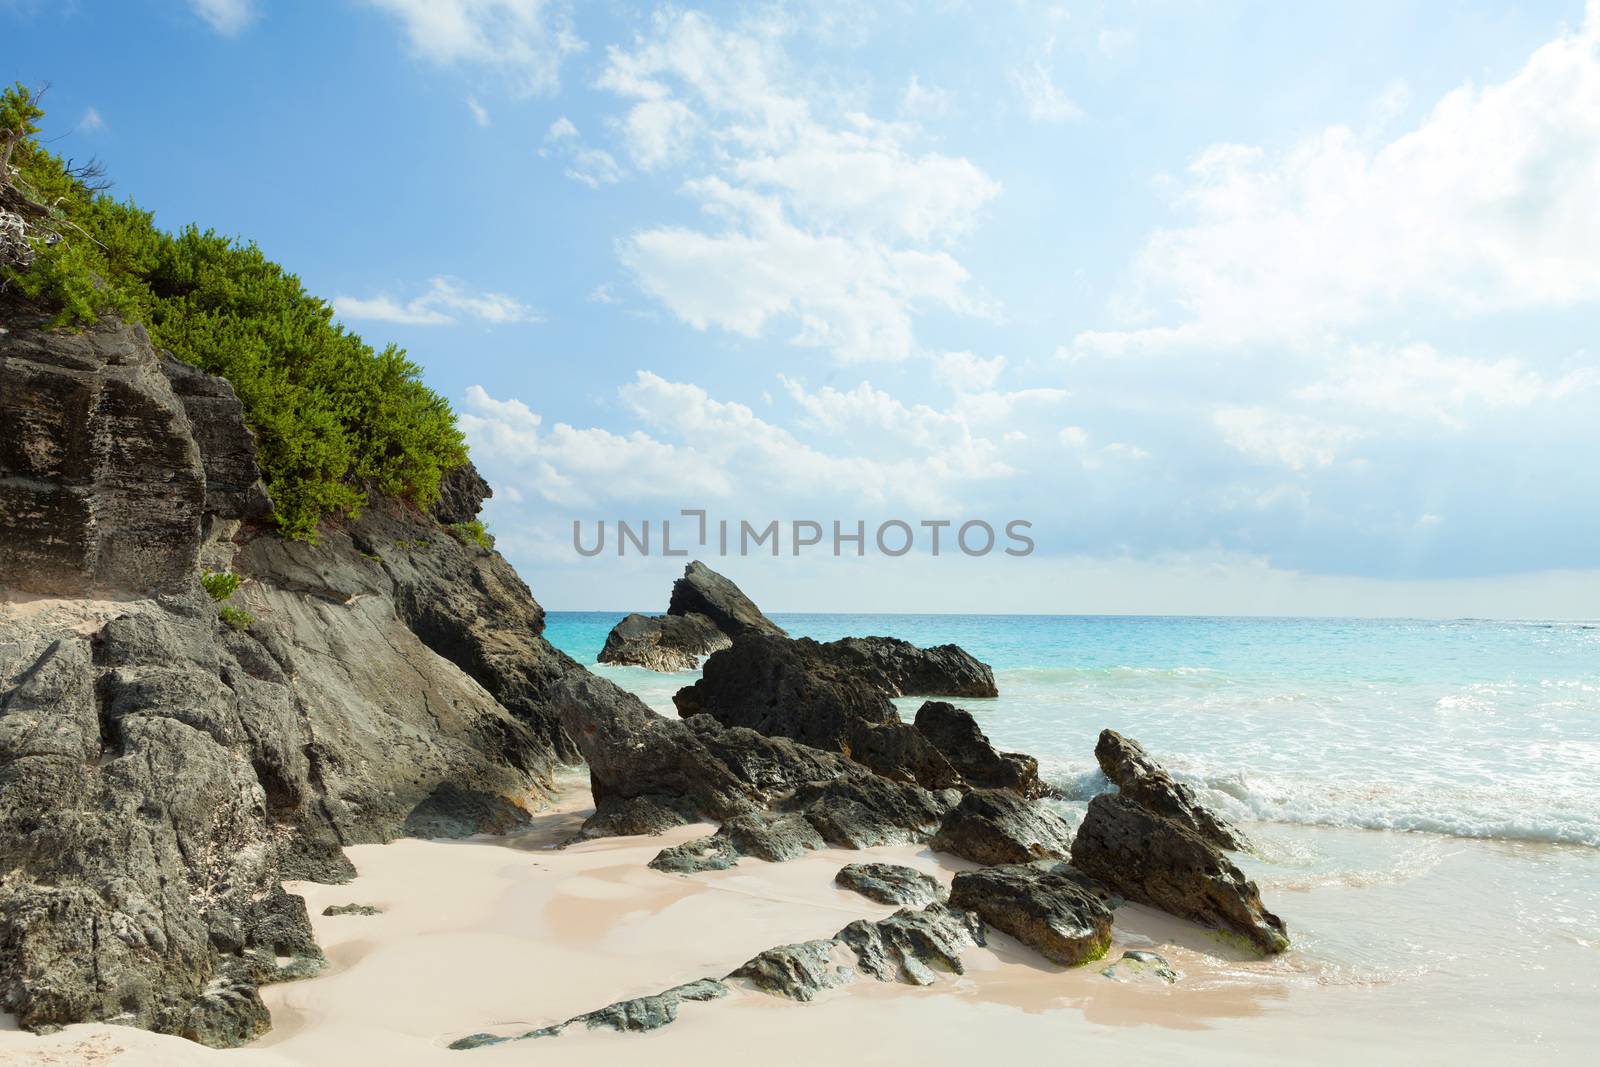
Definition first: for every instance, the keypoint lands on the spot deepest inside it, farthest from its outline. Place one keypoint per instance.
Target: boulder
(890, 883)
(702, 591)
(799, 971)
(1051, 908)
(1154, 860)
(774, 838)
(910, 945)
(902, 669)
(663, 642)
(997, 826)
(1144, 781)
(956, 735)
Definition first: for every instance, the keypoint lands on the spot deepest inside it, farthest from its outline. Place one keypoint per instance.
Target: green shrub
(333, 417)
(473, 531)
(220, 584)
(237, 618)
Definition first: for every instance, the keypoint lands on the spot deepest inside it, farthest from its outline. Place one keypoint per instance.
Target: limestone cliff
(162, 771)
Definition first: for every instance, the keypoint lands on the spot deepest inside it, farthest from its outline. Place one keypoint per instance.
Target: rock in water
(1144, 781)
(702, 591)
(663, 642)
(890, 883)
(903, 669)
(1153, 860)
(1063, 915)
(956, 735)
(1135, 965)
(997, 826)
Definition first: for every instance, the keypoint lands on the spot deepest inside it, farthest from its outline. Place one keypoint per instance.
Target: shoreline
(506, 934)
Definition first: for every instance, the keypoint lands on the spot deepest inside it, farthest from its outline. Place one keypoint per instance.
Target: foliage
(474, 531)
(220, 584)
(236, 617)
(333, 417)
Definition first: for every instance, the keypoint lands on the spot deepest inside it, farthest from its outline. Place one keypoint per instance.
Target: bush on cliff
(331, 414)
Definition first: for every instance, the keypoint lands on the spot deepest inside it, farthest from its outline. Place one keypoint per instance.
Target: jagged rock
(1153, 860)
(161, 773)
(909, 944)
(955, 733)
(462, 492)
(1144, 781)
(638, 1015)
(1136, 965)
(1049, 907)
(649, 773)
(711, 853)
(799, 971)
(663, 642)
(791, 688)
(997, 826)
(102, 486)
(352, 909)
(890, 883)
(902, 669)
(702, 591)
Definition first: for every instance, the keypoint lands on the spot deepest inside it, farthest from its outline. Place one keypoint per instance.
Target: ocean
(1424, 795)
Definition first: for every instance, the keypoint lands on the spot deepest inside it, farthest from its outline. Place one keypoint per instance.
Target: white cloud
(829, 221)
(593, 167)
(1043, 100)
(1276, 437)
(924, 101)
(1074, 436)
(91, 122)
(227, 17)
(1417, 380)
(966, 373)
(1487, 205)
(523, 40)
(480, 114)
(445, 302)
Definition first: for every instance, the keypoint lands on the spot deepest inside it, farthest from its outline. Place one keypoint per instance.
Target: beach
(508, 934)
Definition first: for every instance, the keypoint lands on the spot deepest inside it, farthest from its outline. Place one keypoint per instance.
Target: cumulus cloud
(523, 41)
(227, 17)
(1275, 437)
(832, 222)
(446, 301)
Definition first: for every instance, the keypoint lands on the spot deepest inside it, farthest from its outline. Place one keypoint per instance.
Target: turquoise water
(1467, 728)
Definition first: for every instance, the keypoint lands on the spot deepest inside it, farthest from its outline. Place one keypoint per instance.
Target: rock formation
(955, 733)
(1144, 781)
(890, 883)
(161, 771)
(1051, 908)
(998, 826)
(705, 613)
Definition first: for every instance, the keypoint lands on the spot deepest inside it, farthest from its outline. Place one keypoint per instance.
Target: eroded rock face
(663, 642)
(102, 485)
(998, 826)
(1144, 781)
(890, 883)
(1063, 915)
(956, 735)
(1153, 860)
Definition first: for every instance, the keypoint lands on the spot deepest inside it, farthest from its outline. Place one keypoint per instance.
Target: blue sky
(1246, 307)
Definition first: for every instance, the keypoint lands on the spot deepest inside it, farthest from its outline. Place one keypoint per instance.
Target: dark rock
(1153, 860)
(639, 1015)
(798, 972)
(711, 853)
(1049, 907)
(997, 826)
(859, 809)
(102, 486)
(1144, 781)
(1137, 965)
(352, 909)
(956, 735)
(890, 883)
(462, 492)
(227, 447)
(902, 669)
(774, 838)
(908, 945)
(702, 591)
(663, 642)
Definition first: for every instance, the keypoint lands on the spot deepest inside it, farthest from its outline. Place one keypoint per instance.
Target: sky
(1246, 308)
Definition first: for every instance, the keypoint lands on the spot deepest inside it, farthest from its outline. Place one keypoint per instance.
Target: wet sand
(508, 934)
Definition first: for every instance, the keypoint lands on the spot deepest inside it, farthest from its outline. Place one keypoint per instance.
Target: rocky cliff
(162, 770)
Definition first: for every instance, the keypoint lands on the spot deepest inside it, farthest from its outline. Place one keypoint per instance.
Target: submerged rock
(1153, 860)
(1060, 913)
(1144, 781)
(890, 883)
(663, 642)
(956, 735)
(998, 826)
(1137, 965)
